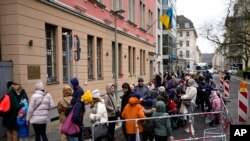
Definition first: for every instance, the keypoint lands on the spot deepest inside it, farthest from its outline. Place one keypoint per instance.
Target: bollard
(243, 103)
(226, 89)
(222, 81)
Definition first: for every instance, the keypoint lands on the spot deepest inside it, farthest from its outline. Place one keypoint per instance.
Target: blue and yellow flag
(166, 19)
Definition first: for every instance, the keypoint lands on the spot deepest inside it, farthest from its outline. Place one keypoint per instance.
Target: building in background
(158, 56)
(187, 50)
(207, 58)
(34, 36)
(169, 54)
(237, 37)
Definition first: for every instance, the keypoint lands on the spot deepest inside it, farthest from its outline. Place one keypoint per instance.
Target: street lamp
(115, 13)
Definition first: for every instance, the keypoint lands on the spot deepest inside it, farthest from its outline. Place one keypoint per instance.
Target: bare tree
(235, 41)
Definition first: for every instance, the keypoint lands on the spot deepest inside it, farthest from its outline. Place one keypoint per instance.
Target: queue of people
(161, 97)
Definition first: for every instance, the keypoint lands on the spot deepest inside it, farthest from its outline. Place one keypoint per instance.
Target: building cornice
(90, 19)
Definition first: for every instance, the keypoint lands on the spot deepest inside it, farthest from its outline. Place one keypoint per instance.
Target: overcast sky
(201, 12)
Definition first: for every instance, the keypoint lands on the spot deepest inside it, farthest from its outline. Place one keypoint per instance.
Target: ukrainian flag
(166, 19)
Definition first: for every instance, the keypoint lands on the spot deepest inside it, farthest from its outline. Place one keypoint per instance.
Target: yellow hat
(87, 97)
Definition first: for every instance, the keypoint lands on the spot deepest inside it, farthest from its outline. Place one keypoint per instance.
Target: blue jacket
(205, 86)
(78, 92)
(23, 128)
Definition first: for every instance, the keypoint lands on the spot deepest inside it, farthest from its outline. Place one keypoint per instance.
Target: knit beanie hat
(137, 95)
(87, 97)
(22, 111)
(74, 82)
(39, 85)
(161, 89)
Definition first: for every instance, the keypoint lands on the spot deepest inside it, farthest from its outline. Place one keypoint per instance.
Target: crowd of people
(165, 95)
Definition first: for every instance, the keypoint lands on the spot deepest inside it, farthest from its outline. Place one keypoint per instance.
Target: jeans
(112, 128)
(40, 131)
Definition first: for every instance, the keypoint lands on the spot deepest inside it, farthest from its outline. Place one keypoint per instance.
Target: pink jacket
(216, 102)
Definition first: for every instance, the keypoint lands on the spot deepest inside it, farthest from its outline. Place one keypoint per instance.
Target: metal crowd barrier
(206, 136)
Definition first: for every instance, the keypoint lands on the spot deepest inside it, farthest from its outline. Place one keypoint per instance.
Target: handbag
(186, 102)
(100, 131)
(68, 126)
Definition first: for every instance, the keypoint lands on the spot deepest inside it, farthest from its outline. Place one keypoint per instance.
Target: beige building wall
(24, 20)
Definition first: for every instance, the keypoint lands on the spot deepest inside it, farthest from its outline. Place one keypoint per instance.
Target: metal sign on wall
(33, 72)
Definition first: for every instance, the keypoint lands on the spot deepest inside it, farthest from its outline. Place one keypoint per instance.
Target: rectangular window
(187, 43)
(181, 43)
(99, 58)
(187, 53)
(144, 62)
(165, 40)
(142, 15)
(187, 33)
(181, 54)
(51, 53)
(141, 63)
(64, 54)
(150, 21)
(181, 34)
(159, 44)
(119, 59)
(116, 5)
(90, 48)
(130, 60)
(134, 61)
(186, 25)
(158, 16)
(131, 10)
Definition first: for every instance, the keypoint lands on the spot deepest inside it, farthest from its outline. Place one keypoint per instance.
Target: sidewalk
(240, 79)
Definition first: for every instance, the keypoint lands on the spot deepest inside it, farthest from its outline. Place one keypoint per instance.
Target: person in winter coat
(133, 110)
(62, 105)
(23, 128)
(148, 130)
(98, 111)
(216, 106)
(9, 120)
(190, 95)
(112, 109)
(162, 126)
(78, 107)
(38, 112)
(141, 88)
(78, 91)
(124, 101)
(203, 93)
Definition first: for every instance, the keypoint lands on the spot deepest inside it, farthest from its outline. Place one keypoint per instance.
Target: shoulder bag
(68, 126)
(100, 131)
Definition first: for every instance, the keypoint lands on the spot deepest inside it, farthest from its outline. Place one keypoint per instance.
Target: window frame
(51, 29)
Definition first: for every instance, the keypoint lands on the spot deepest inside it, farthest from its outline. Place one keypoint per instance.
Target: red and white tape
(243, 106)
(226, 89)
(221, 82)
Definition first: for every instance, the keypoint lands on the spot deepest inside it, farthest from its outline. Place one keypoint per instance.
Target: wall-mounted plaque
(33, 72)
